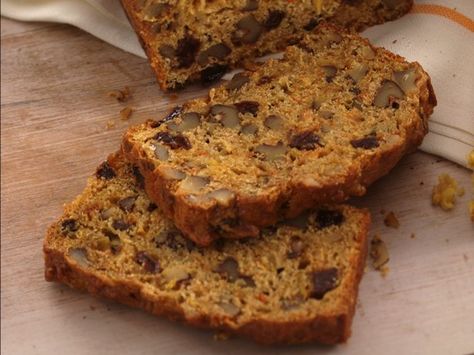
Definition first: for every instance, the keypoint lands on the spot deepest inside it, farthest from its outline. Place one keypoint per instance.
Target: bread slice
(318, 126)
(200, 40)
(296, 283)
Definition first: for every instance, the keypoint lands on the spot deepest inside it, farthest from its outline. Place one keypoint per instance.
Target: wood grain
(54, 113)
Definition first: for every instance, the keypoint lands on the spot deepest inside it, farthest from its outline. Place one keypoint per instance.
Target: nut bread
(200, 40)
(315, 127)
(296, 284)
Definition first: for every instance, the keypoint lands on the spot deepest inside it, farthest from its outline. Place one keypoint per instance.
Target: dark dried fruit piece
(69, 225)
(296, 247)
(138, 177)
(306, 140)
(237, 81)
(264, 80)
(115, 242)
(127, 203)
(151, 207)
(229, 268)
(368, 142)
(120, 225)
(175, 112)
(105, 171)
(187, 50)
(173, 141)
(327, 218)
(274, 19)
(147, 261)
(212, 74)
(247, 107)
(311, 24)
(248, 280)
(323, 281)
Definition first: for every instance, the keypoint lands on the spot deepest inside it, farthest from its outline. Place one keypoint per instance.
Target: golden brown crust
(323, 329)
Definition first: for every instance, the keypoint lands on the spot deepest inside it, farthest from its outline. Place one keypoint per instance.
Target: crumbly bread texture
(200, 40)
(316, 127)
(296, 283)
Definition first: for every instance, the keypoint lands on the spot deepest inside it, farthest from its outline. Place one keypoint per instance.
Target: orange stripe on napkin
(446, 12)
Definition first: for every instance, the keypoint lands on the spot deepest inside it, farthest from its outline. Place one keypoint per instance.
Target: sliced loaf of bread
(200, 40)
(315, 127)
(296, 283)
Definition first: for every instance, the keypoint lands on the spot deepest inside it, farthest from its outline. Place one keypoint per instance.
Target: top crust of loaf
(318, 126)
(296, 283)
(186, 41)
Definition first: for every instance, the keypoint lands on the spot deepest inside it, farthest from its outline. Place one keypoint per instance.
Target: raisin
(306, 140)
(69, 225)
(247, 107)
(175, 112)
(212, 74)
(115, 242)
(147, 261)
(173, 141)
(323, 281)
(138, 177)
(120, 225)
(264, 80)
(105, 171)
(248, 280)
(369, 142)
(151, 207)
(187, 50)
(274, 19)
(311, 24)
(327, 218)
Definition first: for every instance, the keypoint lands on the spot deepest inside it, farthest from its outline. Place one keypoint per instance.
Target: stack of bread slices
(227, 212)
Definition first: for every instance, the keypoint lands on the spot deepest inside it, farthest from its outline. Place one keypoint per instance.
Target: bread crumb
(92, 308)
(120, 95)
(413, 236)
(125, 113)
(471, 210)
(378, 253)
(384, 271)
(465, 257)
(110, 124)
(445, 193)
(391, 220)
(221, 336)
(470, 159)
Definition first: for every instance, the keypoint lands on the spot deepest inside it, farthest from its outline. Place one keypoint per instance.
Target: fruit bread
(200, 40)
(315, 127)
(296, 284)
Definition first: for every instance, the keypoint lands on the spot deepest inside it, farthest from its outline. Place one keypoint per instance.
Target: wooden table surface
(54, 114)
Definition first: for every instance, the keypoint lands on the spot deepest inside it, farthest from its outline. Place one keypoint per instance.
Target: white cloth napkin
(439, 34)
